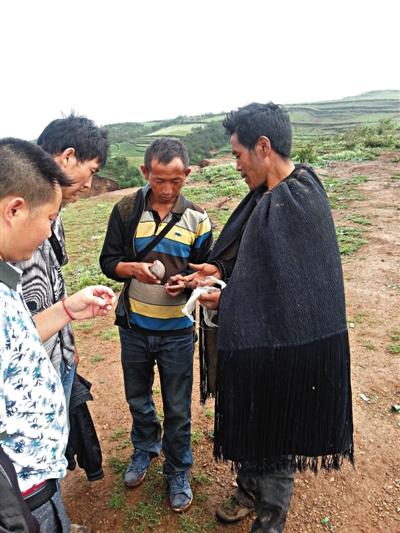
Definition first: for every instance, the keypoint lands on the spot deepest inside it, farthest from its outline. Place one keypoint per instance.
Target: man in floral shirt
(33, 418)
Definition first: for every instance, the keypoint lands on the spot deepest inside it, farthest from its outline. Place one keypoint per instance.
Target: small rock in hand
(158, 269)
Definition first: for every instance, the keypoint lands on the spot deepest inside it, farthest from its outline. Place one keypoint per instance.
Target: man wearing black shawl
(283, 393)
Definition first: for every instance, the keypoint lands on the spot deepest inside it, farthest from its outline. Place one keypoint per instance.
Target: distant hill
(205, 136)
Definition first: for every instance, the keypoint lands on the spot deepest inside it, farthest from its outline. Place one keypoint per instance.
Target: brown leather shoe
(232, 510)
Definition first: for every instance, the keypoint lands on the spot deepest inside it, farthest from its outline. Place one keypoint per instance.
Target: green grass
(202, 479)
(197, 436)
(117, 465)
(108, 334)
(117, 499)
(343, 191)
(209, 412)
(358, 219)
(97, 358)
(395, 177)
(85, 224)
(369, 346)
(118, 434)
(394, 347)
(350, 239)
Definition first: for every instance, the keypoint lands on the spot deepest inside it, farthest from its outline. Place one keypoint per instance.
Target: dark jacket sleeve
(113, 250)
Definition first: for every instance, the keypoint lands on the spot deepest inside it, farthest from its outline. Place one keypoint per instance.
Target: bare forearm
(51, 320)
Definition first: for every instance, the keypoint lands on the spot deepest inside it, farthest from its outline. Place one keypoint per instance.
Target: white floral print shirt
(33, 418)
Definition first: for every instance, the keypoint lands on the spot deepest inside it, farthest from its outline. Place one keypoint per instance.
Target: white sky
(126, 60)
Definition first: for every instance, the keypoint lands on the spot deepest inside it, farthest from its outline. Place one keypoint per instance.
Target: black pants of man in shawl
(283, 392)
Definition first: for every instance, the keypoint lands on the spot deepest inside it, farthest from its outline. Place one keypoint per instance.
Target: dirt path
(361, 500)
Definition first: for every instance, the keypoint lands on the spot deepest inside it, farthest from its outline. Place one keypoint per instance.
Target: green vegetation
(97, 358)
(85, 225)
(350, 239)
(108, 334)
(342, 191)
(394, 347)
(356, 128)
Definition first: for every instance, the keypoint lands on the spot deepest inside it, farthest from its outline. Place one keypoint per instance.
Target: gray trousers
(52, 516)
(269, 493)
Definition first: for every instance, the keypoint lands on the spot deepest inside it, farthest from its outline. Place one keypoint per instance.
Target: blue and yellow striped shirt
(189, 240)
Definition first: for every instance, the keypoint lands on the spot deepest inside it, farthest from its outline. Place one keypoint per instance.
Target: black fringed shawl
(283, 378)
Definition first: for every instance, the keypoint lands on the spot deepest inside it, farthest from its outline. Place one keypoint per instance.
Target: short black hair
(78, 132)
(26, 170)
(256, 120)
(165, 150)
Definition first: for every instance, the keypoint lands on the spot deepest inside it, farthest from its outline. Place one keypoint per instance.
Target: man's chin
(70, 200)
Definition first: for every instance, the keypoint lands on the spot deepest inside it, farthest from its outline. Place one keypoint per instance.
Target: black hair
(165, 150)
(26, 170)
(78, 132)
(256, 120)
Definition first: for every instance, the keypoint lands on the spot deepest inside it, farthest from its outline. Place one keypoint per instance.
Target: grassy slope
(309, 119)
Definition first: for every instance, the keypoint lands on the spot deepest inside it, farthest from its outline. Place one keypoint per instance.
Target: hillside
(205, 136)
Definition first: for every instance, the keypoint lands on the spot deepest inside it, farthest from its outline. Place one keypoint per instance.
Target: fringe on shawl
(286, 407)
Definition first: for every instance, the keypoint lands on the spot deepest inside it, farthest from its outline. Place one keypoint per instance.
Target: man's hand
(90, 302)
(202, 271)
(210, 300)
(140, 271)
(175, 285)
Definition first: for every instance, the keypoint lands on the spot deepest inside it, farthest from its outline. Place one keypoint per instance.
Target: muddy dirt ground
(361, 500)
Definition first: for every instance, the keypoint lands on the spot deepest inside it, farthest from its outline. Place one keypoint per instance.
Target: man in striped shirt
(154, 329)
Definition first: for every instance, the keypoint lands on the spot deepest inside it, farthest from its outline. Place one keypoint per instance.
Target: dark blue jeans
(174, 358)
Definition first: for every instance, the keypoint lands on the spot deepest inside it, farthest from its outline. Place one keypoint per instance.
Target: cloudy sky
(125, 60)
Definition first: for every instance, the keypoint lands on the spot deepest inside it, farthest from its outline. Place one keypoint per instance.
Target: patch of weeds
(202, 479)
(124, 444)
(189, 524)
(117, 498)
(395, 336)
(85, 327)
(394, 348)
(342, 191)
(359, 219)
(143, 516)
(97, 358)
(117, 465)
(395, 177)
(369, 346)
(209, 412)
(156, 392)
(160, 414)
(350, 239)
(197, 436)
(359, 318)
(118, 433)
(108, 334)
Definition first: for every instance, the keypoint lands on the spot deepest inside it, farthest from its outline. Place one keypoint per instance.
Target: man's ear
(14, 208)
(145, 171)
(63, 158)
(264, 145)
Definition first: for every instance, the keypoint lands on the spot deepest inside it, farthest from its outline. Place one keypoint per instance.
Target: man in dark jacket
(153, 327)
(283, 393)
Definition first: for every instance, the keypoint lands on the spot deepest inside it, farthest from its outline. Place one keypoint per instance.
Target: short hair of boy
(256, 120)
(78, 132)
(164, 150)
(28, 171)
